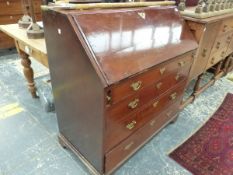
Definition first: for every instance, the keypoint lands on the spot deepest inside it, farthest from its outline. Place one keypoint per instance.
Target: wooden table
(27, 48)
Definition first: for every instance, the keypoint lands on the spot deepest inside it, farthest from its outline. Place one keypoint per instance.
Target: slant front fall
(128, 41)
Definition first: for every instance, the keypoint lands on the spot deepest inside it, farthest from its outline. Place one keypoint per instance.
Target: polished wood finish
(140, 137)
(124, 89)
(10, 13)
(119, 128)
(112, 78)
(131, 50)
(27, 49)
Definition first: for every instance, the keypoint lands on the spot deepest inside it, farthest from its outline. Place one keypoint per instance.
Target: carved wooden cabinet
(118, 77)
(214, 36)
(215, 48)
(10, 13)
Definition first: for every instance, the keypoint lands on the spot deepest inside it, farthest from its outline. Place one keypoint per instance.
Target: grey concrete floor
(28, 135)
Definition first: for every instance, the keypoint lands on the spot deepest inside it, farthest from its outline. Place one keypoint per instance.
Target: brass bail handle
(131, 125)
(173, 96)
(133, 104)
(137, 85)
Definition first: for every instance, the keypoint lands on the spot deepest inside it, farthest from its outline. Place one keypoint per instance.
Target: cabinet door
(208, 36)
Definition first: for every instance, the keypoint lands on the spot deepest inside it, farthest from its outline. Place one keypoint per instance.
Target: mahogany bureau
(10, 13)
(118, 77)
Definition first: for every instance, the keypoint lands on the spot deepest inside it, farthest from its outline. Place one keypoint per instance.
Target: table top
(20, 34)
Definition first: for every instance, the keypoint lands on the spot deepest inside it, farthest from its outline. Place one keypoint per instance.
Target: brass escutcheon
(173, 96)
(162, 70)
(136, 86)
(131, 125)
(133, 104)
(158, 85)
(155, 104)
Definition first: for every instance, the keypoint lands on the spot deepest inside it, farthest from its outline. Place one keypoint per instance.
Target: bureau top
(125, 42)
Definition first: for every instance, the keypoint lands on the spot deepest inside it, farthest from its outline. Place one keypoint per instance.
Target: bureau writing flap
(125, 42)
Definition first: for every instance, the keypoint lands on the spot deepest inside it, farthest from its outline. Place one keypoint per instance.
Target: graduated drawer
(137, 83)
(119, 129)
(221, 43)
(14, 7)
(136, 101)
(129, 146)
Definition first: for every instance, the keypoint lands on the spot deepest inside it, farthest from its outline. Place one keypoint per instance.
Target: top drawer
(14, 7)
(135, 84)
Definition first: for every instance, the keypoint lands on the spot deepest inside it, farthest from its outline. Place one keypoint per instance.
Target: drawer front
(221, 43)
(14, 7)
(117, 130)
(125, 149)
(136, 84)
(134, 102)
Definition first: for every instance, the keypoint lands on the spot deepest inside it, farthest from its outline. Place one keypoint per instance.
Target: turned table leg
(28, 72)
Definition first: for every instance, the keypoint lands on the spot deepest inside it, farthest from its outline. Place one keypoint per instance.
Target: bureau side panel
(77, 89)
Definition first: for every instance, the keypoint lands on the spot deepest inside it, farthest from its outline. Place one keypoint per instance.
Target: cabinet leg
(28, 73)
